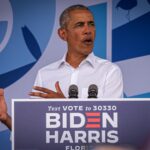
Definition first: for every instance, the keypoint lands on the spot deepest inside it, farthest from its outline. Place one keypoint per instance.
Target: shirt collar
(62, 61)
(89, 59)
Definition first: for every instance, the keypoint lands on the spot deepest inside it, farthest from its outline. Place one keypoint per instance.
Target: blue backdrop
(28, 37)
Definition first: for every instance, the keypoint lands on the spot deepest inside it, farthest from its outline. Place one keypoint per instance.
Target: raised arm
(4, 117)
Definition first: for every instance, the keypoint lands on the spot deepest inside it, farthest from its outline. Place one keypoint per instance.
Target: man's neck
(75, 59)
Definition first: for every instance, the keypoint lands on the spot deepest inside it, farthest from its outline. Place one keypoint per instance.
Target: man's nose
(87, 29)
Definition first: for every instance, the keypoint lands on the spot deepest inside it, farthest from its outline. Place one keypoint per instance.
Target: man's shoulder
(50, 67)
(100, 62)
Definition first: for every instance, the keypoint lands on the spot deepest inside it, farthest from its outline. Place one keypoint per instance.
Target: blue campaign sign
(74, 125)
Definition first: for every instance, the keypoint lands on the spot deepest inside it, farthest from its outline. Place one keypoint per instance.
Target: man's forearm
(8, 122)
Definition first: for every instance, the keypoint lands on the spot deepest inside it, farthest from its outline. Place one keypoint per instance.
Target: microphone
(92, 91)
(73, 91)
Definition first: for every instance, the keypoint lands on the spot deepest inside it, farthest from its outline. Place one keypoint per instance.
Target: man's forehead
(79, 14)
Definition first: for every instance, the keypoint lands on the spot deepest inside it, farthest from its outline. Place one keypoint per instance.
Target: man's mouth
(88, 41)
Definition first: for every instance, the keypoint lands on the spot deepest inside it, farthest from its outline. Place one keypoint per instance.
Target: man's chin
(89, 48)
(87, 51)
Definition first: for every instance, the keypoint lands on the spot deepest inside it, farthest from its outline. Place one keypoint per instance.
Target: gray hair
(65, 15)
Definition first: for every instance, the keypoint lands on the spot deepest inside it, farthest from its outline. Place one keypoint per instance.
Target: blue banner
(75, 125)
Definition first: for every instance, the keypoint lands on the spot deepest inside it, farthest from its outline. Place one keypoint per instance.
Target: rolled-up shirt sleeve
(38, 80)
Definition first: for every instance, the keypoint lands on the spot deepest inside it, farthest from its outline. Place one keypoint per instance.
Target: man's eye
(91, 23)
(79, 24)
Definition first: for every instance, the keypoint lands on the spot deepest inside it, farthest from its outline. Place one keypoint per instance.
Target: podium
(76, 124)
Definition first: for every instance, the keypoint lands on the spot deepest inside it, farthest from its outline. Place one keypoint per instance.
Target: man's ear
(62, 34)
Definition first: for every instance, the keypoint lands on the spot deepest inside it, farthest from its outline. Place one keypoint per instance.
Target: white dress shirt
(93, 70)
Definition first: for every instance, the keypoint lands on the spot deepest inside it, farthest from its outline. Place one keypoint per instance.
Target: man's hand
(47, 93)
(4, 117)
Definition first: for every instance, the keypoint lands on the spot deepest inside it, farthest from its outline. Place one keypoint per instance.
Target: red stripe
(92, 114)
(93, 126)
(93, 120)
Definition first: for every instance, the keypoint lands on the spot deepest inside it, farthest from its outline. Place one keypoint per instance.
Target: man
(112, 147)
(4, 117)
(78, 66)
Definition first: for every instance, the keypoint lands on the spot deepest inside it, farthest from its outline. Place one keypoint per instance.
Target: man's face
(112, 148)
(80, 32)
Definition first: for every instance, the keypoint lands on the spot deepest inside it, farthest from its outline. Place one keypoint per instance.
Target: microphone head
(73, 91)
(93, 91)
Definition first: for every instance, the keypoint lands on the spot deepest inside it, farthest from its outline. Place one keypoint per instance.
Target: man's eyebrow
(79, 22)
(91, 21)
(82, 22)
